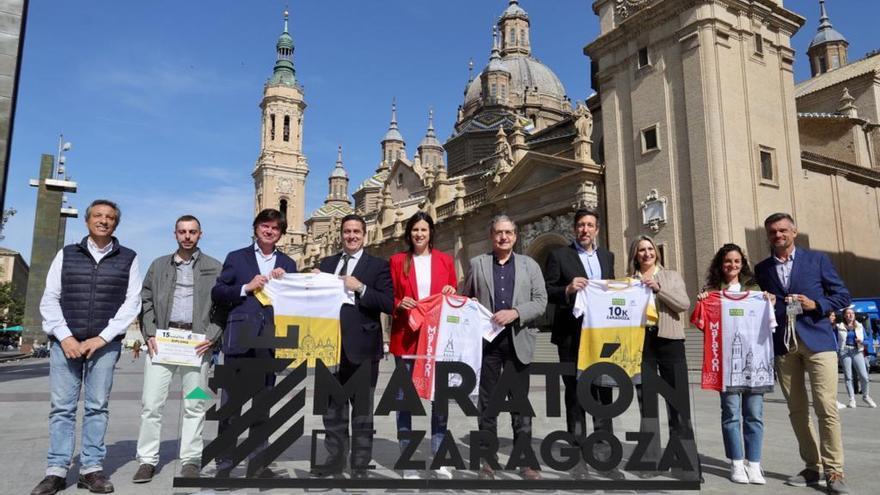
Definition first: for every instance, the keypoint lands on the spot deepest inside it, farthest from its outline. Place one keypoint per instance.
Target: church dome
(430, 141)
(826, 33)
(826, 36)
(339, 172)
(526, 73)
(514, 10)
(285, 41)
(393, 134)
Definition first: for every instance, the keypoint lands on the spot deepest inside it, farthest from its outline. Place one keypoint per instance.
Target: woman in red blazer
(417, 273)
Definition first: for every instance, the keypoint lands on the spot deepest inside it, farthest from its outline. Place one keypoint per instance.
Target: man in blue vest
(92, 295)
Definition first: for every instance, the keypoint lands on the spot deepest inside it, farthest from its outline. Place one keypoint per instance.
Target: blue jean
(404, 418)
(66, 377)
(750, 407)
(850, 356)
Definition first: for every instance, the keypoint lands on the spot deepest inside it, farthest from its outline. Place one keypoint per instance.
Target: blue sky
(160, 98)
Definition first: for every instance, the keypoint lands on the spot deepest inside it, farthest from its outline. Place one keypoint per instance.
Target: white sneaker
(869, 401)
(411, 474)
(738, 472)
(755, 473)
(443, 472)
(840, 405)
(852, 403)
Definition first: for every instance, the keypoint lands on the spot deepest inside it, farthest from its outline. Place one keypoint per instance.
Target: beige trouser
(157, 381)
(822, 370)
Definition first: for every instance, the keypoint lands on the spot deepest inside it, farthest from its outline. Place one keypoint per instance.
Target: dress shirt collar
(497, 262)
(259, 252)
(580, 249)
(177, 260)
(789, 260)
(94, 247)
(353, 257)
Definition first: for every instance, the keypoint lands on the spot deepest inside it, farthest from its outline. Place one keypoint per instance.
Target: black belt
(180, 325)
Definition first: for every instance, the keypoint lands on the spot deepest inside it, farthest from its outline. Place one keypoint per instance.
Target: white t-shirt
(423, 274)
(309, 304)
(451, 328)
(737, 341)
(614, 313)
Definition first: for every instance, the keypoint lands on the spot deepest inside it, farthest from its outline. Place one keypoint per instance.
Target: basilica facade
(695, 133)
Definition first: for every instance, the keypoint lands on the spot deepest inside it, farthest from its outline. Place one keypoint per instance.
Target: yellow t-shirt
(309, 304)
(614, 312)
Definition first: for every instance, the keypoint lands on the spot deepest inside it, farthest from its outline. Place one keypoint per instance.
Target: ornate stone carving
(654, 211)
(284, 186)
(626, 8)
(583, 124)
(560, 225)
(587, 195)
(583, 121)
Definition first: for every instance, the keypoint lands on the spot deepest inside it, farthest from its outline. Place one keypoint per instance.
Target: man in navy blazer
(798, 275)
(368, 282)
(566, 272)
(245, 271)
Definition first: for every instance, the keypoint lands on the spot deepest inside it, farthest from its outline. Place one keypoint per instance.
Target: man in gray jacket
(177, 295)
(512, 287)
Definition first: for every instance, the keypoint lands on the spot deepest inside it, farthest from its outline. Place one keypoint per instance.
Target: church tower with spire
(430, 150)
(514, 27)
(829, 49)
(393, 145)
(336, 205)
(368, 196)
(281, 169)
(338, 194)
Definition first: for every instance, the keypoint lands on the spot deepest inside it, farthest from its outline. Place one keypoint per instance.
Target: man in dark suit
(566, 272)
(245, 271)
(806, 282)
(367, 280)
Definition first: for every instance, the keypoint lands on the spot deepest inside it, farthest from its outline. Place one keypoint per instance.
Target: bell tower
(281, 169)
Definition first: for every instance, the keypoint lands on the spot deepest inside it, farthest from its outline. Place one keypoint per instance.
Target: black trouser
(336, 419)
(666, 357)
(575, 417)
(496, 355)
(241, 361)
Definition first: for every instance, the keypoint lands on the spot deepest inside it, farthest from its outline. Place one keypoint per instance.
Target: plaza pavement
(24, 408)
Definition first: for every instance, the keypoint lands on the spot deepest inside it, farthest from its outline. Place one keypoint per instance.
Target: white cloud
(150, 86)
(223, 205)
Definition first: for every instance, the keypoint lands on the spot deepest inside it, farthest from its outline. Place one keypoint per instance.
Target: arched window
(399, 180)
(287, 128)
(272, 127)
(282, 207)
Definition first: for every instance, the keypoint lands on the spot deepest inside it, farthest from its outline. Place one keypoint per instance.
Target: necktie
(344, 270)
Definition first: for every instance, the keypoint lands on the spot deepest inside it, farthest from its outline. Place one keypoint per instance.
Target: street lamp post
(50, 223)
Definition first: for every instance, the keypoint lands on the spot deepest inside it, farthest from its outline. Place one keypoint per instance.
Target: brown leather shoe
(144, 474)
(96, 482)
(189, 471)
(528, 473)
(486, 472)
(50, 485)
